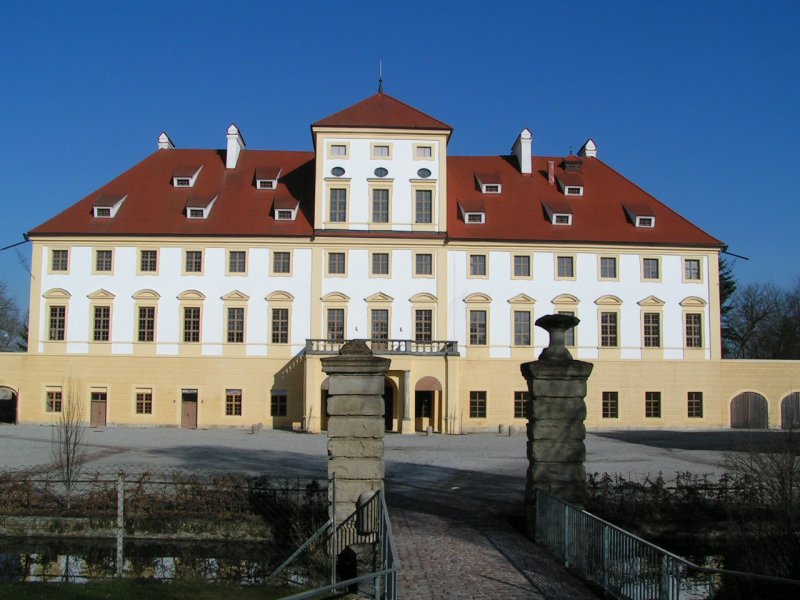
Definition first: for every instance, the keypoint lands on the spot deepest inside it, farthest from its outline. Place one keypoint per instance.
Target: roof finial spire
(380, 76)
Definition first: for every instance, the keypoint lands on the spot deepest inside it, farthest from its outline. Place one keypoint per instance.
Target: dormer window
(489, 183)
(573, 164)
(199, 208)
(185, 176)
(573, 190)
(267, 179)
(640, 215)
(570, 179)
(558, 213)
(473, 212)
(285, 209)
(645, 222)
(106, 207)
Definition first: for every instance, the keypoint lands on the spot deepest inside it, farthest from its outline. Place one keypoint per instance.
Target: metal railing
(624, 565)
(388, 346)
(370, 532)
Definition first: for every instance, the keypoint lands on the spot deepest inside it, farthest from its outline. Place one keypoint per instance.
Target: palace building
(200, 288)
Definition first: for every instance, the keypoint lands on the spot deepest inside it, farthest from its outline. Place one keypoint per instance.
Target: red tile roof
(385, 112)
(155, 208)
(598, 216)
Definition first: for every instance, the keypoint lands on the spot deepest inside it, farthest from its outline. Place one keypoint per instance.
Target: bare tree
(67, 448)
(10, 321)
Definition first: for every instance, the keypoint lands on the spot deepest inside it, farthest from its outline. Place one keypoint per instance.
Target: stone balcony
(388, 347)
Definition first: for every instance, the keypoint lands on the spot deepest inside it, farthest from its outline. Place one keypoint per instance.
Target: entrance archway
(8, 405)
(749, 410)
(790, 411)
(428, 404)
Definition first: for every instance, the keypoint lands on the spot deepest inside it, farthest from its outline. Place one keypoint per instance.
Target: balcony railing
(381, 346)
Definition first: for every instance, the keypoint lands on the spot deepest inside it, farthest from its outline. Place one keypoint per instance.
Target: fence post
(335, 549)
(120, 522)
(606, 553)
(567, 540)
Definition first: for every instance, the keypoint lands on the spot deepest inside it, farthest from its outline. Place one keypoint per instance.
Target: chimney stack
(164, 143)
(551, 172)
(235, 146)
(522, 150)
(588, 150)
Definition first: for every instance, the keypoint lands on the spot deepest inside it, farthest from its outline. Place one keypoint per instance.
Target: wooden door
(189, 409)
(749, 410)
(98, 414)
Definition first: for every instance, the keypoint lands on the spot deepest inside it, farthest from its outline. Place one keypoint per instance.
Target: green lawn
(132, 590)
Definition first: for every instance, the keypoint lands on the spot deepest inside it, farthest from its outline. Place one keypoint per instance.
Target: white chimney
(589, 149)
(522, 150)
(164, 143)
(551, 172)
(235, 146)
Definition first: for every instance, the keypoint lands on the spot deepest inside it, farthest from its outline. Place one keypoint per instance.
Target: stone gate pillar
(556, 412)
(355, 424)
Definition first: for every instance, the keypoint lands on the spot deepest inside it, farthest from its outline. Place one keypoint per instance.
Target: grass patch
(136, 590)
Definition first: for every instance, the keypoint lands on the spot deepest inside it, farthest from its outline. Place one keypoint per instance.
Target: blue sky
(696, 102)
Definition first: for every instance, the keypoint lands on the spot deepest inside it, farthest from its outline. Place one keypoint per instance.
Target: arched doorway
(749, 410)
(8, 405)
(428, 404)
(790, 411)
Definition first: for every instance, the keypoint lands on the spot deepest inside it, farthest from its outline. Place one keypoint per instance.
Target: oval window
(424, 173)
(381, 172)
(337, 171)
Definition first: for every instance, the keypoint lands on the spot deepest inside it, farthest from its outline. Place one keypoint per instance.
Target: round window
(381, 172)
(337, 171)
(424, 173)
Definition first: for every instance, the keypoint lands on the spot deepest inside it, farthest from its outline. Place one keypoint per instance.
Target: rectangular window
(147, 324)
(237, 261)
(236, 325)
(423, 264)
(194, 261)
(336, 324)
(608, 329)
(652, 330)
(650, 268)
(423, 325)
(424, 206)
(652, 405)
(102, 323)
(148, 261)
(380, 324)
(522, 328)
(380, 151)
(477, 405)
(380, 263)
(695, 405)
(339, 150)
(338, 205)
(569, 334)
(233, 403)
(191, 324)
(280, 325)
(58, 323)
(281, 262)
(521, 405)
(59, 260)
(477, 265)
(144, 402)
(423, 151)
(380, 206)
(566, 267)
(610, 405)
(608, 267)
(691, 269)
(477, 327)
(53, 401)
(694, 330)
(336, 263)
(279, 404)
(522, 266)
(102, 260)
